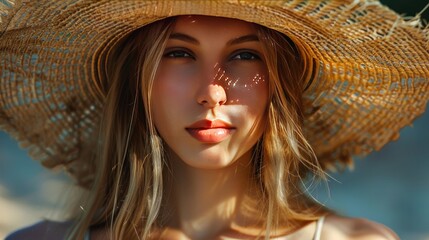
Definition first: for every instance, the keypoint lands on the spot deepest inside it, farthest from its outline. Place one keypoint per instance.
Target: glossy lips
(207, 131)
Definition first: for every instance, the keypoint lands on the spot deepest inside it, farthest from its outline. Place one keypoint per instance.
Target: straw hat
(370, 75)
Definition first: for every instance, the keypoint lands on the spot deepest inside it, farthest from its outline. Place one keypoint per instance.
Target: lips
(210, 131)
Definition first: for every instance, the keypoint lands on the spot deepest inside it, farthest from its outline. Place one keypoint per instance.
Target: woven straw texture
(371, 75)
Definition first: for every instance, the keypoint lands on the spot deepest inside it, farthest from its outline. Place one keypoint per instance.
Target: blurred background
(390, 186)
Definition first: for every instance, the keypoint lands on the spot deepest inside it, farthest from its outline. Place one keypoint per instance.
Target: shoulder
(345, 228)
(44, 230)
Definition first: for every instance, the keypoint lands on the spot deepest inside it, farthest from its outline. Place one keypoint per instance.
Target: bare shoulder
(44, 230)
(345, 228)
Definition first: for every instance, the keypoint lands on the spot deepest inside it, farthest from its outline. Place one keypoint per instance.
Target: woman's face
(211, 91)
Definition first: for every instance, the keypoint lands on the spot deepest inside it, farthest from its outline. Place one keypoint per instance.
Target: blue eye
(246, 56)
(178, 54)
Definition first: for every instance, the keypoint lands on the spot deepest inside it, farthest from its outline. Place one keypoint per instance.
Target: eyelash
(173, 54)
(253, 56)
(238, 55)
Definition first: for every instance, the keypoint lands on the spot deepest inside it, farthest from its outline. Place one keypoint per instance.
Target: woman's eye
(245, 56)
(178, 54)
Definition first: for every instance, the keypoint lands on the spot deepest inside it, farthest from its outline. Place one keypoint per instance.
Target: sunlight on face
(211, 91)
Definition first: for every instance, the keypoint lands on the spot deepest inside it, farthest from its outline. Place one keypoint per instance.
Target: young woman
(205, 124)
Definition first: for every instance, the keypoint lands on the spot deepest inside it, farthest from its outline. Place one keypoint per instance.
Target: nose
(211, 95)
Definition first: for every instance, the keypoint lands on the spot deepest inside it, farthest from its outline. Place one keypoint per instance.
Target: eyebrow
(184, 37)
(242, 39)
(187, 38)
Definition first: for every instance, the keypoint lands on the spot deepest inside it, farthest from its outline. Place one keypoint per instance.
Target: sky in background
(390, 186)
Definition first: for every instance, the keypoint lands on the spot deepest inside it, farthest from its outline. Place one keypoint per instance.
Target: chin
(209, 157)
(208, 162)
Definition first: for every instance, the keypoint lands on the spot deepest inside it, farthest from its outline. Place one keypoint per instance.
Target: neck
(204, 202)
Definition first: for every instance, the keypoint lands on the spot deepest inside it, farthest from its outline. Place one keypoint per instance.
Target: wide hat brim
(370, 73)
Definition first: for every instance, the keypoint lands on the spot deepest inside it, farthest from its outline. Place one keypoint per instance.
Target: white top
(317, 233)
(319, 226)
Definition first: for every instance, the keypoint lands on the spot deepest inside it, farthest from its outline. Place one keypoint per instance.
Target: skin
(204, 74)
(209, 183)
(209, 73)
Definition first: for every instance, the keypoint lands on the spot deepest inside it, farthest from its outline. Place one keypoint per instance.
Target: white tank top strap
(87, 235)
(319, 226)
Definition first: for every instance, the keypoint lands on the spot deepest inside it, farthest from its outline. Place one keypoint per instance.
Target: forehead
(196, 24)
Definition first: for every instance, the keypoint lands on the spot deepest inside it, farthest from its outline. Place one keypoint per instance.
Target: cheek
(170, 89)
(249, 89)
(258, 103)
(253, 101)
(169, 96)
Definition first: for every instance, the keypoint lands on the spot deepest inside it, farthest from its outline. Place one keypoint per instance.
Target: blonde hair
(127, 191)
(286, 155)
